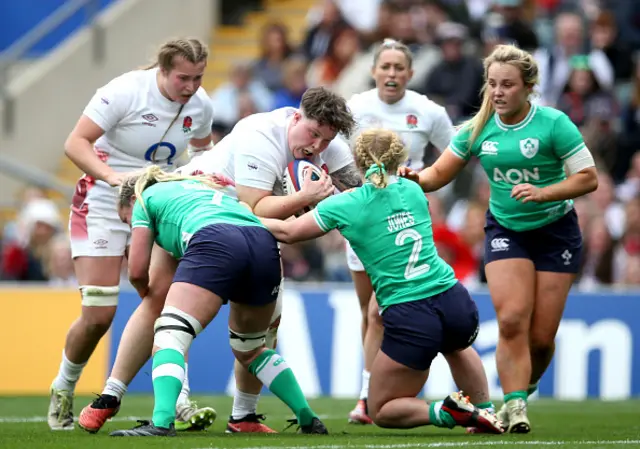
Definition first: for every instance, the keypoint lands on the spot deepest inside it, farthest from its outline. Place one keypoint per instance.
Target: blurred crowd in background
(587, 52)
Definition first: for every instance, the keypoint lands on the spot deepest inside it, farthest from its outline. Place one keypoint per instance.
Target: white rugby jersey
(415, 118)
(135, 115)
(256, 153)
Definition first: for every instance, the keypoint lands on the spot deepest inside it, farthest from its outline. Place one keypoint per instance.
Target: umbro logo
(499, 244)
(149, 120)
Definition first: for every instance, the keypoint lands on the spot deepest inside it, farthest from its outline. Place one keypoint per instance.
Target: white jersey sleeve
(205, 129)
(337, 155)
(443, 129)
(256, 161)
(110, 104)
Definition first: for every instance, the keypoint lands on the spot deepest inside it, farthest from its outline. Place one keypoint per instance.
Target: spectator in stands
(334, 261)
(246, 105)
(629, 246)
(316, 41)
(11, 230)
(343, 46)
(275, 49)
(294, 72)
(630, 133)
(605, 37)
(583, 98)
(514, 28)
(451, 247)
(554, 63)
(607, 205)
(630, 188)
(60, 264)
(25, 258)
(457, 80)
(597, 261)
(226, 98)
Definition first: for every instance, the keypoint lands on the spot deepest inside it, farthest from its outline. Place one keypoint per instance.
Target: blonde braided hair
(382, 148)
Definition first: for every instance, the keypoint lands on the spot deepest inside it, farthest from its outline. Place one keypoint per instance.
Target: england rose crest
(186, 124)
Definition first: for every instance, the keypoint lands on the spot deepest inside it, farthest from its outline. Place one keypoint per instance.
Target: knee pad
(246, 342)
(175, 329)
(99, 296)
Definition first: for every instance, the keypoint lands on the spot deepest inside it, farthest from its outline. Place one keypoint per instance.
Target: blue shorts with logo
(416, 331)
(556, 247)
(237, 263)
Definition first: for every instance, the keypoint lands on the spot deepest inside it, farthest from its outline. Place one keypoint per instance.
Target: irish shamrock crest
(529, 147)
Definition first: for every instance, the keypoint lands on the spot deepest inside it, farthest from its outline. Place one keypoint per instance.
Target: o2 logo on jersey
(152, 153)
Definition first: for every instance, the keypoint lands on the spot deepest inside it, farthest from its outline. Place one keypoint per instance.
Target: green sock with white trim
(275, 374)
(167, 375)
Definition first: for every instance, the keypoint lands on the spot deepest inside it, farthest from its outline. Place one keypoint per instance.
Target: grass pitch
(587, 425)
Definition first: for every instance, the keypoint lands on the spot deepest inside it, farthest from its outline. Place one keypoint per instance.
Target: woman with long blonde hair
(533, 244)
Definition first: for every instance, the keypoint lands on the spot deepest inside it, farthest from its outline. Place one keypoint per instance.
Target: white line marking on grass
(451, 444)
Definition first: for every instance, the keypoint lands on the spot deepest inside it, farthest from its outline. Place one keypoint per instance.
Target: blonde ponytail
(476, 124)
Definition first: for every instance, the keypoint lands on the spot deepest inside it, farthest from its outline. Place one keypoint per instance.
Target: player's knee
(373, 411)
(99, 307)
(374, 317)
(154, 302)
(99, 296)
(175, 329)
(246, 346)
(541, 341)
(511, 326)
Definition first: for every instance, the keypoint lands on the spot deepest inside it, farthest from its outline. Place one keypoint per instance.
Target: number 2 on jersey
(413, 270)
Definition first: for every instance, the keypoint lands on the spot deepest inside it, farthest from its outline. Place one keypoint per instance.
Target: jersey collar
(518, 126)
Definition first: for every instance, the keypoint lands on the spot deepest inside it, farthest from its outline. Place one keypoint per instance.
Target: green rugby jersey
(532, 151)
(390, 231)
(176, 210)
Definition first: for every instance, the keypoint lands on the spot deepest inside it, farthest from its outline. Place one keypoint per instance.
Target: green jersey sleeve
(567, 139)
(140, 217)
(336, 211)
(460, 143)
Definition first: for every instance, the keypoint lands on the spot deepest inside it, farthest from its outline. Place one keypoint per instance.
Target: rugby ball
(294, 176)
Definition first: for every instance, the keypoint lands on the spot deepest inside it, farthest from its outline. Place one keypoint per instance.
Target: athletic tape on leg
(246, 342)
(99, 296)
(175, 329)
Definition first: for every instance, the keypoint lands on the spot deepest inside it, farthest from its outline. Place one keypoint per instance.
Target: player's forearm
(80, 152)
(430, 180)
(281, 207)
(278, 228)
(574, 186)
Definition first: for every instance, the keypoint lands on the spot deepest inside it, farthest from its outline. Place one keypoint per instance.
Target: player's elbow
(589, 178)
(69, 146)
(138, 274)
(73, 145)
